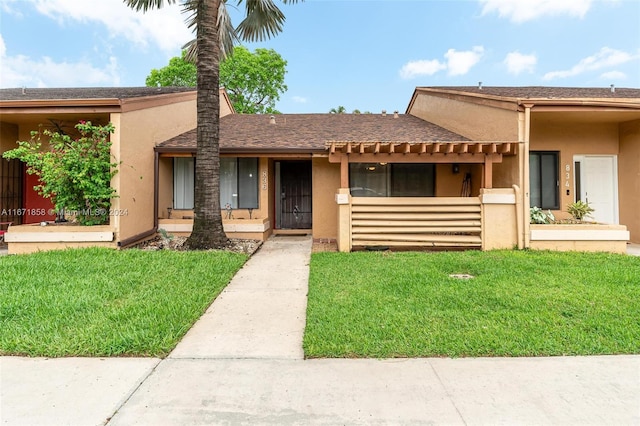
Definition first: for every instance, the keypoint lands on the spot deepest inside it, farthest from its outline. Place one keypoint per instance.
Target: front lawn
(519, 303)
(103, 302)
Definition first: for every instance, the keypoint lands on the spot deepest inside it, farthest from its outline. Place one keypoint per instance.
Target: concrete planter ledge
(580, 237)
(234, 228)
(34, 237)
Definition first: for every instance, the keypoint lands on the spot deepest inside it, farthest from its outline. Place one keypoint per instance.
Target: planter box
(34, 237)
(258, 229)
(580, 237)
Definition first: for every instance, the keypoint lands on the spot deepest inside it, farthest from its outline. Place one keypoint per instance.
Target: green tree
(214, 39)
(254, 81)
(75, 172)
(339, 110)
(179, 72)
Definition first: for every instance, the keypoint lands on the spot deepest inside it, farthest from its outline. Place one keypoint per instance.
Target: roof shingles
(310, 132)
(544, 92)
(77, 93)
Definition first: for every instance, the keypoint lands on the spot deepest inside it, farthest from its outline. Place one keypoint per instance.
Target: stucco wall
(478, 122)
(449, 184)
(629, 178)
(137, 132)
(325, 184)
(475, 121)
(573, 139)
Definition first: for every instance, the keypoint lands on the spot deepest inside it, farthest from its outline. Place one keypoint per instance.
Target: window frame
(390, 179)
(545, 180)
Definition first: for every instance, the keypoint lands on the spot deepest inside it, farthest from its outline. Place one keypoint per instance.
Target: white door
(599, 186)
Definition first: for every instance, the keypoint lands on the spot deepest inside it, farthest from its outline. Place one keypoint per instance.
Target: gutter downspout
(526, 201)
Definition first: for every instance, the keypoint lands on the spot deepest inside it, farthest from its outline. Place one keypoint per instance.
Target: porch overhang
(468, 152)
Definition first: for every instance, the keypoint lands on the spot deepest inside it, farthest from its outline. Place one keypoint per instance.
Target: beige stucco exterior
(496, 209)
(572, 128)
(137, 132)
(325, 181)
(629, 177)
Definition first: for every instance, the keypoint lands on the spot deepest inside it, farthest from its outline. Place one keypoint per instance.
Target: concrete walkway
(242, 363)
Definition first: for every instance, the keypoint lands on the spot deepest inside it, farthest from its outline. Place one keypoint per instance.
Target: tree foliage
(179, 72)
(254, 80)
(75, 172)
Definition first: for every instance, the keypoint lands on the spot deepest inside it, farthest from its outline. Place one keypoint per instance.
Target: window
(392, 180)
(239, 183)
(543, 179)
(183, 182)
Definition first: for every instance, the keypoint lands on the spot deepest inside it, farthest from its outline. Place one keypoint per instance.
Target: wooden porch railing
(416, 222)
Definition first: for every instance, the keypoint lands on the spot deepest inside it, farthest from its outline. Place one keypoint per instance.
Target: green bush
(537, 215)
(579, 210)
(75, 173)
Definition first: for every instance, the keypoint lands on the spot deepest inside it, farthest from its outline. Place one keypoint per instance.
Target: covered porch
(470, 216)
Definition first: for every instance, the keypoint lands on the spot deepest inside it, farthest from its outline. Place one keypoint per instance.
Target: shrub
(75, 172)
(537, 215)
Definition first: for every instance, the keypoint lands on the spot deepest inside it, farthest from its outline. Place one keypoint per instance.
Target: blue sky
(368, 55)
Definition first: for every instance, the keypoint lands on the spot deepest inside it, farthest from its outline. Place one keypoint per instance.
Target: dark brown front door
(294, 191)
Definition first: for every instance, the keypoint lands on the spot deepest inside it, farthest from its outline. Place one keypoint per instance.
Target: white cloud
(414, 69)
(519, 11)
(20, 70)
(459, 63)
(164, 27)
(299, 99)
(613, 75)
(517, 62)
(456, 63)
(6, 7)
(604, 58)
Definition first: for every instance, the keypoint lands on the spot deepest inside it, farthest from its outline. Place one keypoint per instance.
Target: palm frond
(263, 20)
(226, 34)
(145, 5)
(190, 8)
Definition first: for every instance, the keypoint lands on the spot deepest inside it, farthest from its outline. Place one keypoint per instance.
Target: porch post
(488, 171)
(344, 171)
(526, 200)
(343, 199)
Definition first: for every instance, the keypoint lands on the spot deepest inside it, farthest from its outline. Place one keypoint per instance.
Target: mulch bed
(177, 243)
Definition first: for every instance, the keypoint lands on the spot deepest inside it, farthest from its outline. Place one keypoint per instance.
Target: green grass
(520, 303)
(102, 302)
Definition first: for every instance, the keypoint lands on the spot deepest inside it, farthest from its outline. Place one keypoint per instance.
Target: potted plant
(579, 210)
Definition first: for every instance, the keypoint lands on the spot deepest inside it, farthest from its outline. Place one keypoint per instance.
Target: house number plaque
(567, 177)
(264, 180)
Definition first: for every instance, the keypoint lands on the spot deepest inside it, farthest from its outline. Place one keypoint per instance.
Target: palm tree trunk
(207, 222)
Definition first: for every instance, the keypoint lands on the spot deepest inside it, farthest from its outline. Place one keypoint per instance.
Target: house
(143, 117)
(450, 172)
(580, 143)
(459, 168)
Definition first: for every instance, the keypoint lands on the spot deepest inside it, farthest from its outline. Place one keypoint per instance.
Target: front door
(598, 185)
(293, 186)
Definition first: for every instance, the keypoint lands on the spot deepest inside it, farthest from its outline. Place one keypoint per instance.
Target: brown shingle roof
(31, 94)
(310, 132)
(542, 92)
